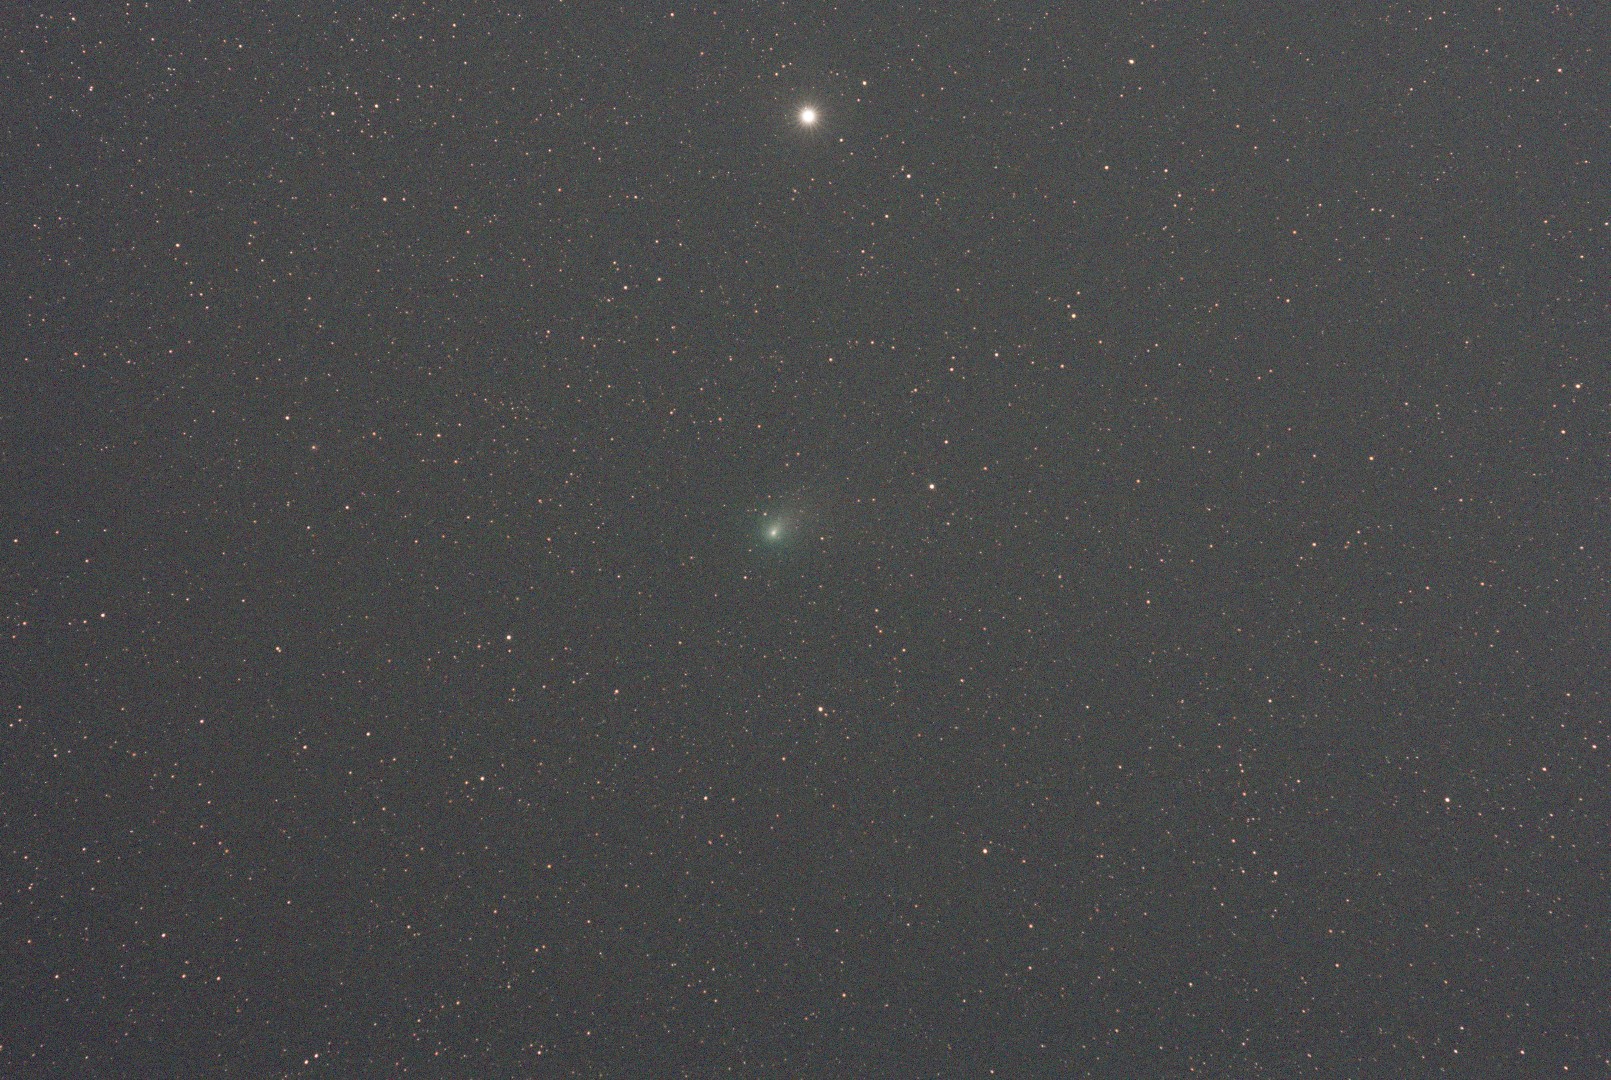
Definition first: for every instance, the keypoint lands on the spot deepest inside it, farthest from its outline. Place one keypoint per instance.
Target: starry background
(1182, 648)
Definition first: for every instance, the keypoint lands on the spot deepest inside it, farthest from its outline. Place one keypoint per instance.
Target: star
(808, 116)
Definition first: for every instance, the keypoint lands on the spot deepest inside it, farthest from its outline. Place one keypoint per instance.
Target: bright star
(808, 116)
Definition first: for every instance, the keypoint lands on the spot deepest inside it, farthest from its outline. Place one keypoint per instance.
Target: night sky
(528, 555)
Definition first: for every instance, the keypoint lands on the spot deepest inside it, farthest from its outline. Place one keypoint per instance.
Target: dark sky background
(1182, 649)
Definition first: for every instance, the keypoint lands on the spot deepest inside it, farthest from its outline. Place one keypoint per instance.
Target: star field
(985, 540)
